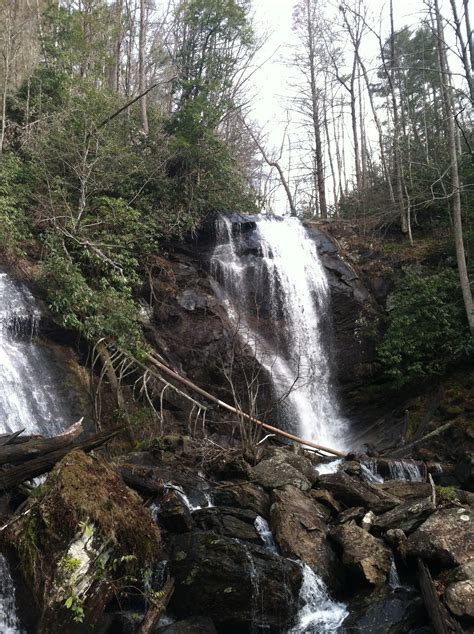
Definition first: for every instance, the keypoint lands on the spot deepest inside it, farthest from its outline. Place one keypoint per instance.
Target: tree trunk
(397, 157)
(141, 67)
(445, 80)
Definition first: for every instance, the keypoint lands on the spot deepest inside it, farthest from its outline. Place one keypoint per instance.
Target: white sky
(272, 89)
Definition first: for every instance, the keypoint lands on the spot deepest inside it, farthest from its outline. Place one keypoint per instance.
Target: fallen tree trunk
(13, 476)
(229, 408)
(35, 446)
(440, 619)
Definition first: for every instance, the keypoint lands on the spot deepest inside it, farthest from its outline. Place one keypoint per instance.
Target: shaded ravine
(275, 290)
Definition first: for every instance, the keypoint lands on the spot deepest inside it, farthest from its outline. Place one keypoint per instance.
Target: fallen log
(13, 476)
(36, 446)
(157, 608)
(439, 616)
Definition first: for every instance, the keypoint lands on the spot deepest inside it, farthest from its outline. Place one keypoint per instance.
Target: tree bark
(445, 80)
(141, 68)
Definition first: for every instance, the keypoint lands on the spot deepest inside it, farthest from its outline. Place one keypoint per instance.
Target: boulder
(82, 539)
(459, 590)
(406, 490)
(352, 492)
(365, 556)
(445, 538)
(407, 516)
(325, 497)
(230, 522)
(397, 539)
(238, 586)
(296, 459)
(354, 513)
(243, 495)
(173, 514)
(274, 474)
(459, 598)
(299, 527)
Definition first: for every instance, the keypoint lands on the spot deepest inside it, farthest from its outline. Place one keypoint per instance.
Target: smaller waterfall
(263, 529)
(405, 470)
(319, 614)
(326, 468)
(369, 471)
(9, 623)
(33, 390)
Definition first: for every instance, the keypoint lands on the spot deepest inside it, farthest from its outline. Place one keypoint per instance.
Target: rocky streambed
(212, 540)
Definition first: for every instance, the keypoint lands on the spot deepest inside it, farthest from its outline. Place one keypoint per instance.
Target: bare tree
(447, 95)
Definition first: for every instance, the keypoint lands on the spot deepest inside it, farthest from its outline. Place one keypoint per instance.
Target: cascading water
(319, 613)
(277, 293)
(30, 397)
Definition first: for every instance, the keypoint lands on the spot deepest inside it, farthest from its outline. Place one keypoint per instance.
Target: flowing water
(30, 396)
(275, 289)
(34, 396)
(319, 614)
(405, 470)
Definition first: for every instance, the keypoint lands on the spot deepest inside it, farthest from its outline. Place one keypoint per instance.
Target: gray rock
(407, 516)
(273, 474)
(365, 555)
(459, 598)
(352, 492)
(243, 495)
(299, 526)
(446, 538)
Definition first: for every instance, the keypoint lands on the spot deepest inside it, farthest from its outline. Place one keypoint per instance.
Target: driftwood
(15, 475)
(157, 608)
(30, 447)
(439, 616)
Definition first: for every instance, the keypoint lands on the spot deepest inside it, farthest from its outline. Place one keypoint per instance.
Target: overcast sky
(271, 82)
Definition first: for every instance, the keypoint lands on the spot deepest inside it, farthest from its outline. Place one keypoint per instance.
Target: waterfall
(405, 470)
(9, 623)
(263, 529)
(275, 290)
(30, 397)
(319, 614)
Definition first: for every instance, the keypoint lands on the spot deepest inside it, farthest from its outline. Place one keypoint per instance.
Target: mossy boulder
(83, 540)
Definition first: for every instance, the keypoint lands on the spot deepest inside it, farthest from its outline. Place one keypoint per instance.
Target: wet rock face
(299, 526)
(365, 555)
(446, 538)
(352, 309)
(234, 584)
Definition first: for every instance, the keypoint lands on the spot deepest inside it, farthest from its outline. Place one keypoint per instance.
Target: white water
(263, 529)
(286, 284)
(326, 468)
(30, 396)
(319, 614)
(29, 380)
(9, 623)
(405, 470)
(369, 471)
